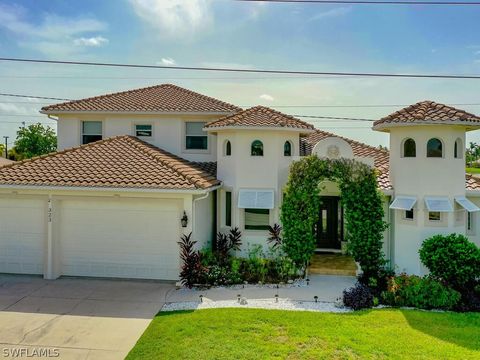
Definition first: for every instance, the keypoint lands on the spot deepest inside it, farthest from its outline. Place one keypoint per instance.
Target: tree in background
(472, 154)
(33, 140)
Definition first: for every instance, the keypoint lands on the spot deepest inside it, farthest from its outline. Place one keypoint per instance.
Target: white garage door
(120, 238)
(22, 235)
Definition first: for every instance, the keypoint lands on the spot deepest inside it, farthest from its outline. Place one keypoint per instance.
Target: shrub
(358, 297)
(192, 270)
(451, 258)
(274, 238)
(422, 293)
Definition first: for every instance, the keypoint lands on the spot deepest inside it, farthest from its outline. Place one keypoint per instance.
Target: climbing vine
(361, 200)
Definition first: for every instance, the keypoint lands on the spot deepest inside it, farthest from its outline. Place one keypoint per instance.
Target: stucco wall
(243, 171)
(204, 229)
(168, 131)
(421, 176)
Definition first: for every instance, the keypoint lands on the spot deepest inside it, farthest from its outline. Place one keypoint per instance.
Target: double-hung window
(91, 131)
(195, 137)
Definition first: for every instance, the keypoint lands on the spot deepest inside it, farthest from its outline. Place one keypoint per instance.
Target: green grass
(472, 170)
(272, 334)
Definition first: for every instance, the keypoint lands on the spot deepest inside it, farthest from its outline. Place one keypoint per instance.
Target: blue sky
(224, 33)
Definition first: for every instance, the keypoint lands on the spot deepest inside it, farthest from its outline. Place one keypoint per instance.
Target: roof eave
(105, 112)
(261, 128)
(468, 125)
(108, 189)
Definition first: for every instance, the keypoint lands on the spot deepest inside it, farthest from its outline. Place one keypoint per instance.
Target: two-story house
(137, 169)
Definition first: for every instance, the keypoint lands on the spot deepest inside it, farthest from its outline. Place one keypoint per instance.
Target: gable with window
(195, 137)
(91, 131)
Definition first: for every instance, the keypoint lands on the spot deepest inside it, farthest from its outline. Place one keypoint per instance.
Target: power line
(34, 97)
(333, 118)
(368, 2)
(262, 71)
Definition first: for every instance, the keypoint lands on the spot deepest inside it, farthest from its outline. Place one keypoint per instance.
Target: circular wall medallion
(333, 152)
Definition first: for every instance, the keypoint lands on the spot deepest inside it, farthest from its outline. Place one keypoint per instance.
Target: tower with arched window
(258, 147)
(427, 175)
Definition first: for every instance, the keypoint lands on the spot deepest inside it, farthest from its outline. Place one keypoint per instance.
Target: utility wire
(262, 71)
(33, 97)
(369, 2)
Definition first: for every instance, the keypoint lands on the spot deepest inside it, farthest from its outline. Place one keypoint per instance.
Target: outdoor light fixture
(184, 219)
(308, 281)
(316, 298)
(276, 298)
(238, 297)
(201, 298)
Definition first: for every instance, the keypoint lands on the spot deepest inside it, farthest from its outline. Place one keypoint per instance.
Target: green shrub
(451, 258)
(422, 293)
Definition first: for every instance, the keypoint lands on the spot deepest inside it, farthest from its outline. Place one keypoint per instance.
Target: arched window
(287, 148)
(228, 148)
(257, 148)
(409, 148)
(458, 149)
(434, 148)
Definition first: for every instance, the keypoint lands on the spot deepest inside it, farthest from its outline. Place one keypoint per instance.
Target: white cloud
(167, 62)
(338, 11)
(175, 18)
(257, 9)
(14, 109)
(267, 97)
(95, 41)
(53, 35)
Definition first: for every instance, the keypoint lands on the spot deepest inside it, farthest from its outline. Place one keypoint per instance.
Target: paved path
(81, 318)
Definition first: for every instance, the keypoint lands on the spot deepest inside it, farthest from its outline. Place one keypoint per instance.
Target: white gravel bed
(282, 304)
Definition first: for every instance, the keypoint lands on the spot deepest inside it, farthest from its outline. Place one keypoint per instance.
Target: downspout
(49, 274)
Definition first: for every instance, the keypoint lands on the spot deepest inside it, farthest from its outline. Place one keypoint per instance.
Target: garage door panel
(120, 239)
(22, 236)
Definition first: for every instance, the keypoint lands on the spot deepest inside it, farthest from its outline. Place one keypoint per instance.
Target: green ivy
(360, 197)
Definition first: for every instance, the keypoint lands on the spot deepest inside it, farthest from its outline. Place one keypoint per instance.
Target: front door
(329, 227)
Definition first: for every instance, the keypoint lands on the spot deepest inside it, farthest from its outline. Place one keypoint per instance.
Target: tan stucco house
(137, 169)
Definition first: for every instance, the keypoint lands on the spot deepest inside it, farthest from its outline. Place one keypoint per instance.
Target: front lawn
(264, 334)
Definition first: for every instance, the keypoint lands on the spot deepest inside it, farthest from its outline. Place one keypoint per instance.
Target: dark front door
(329, 227)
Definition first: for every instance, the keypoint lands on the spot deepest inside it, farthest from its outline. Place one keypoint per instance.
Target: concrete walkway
(78, 318)
(328, 288)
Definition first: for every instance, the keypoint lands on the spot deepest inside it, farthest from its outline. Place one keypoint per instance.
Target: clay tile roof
(4, 161)
(427, 112)
(472, 182)
(260, 116)
(117, 162)
(158, 98)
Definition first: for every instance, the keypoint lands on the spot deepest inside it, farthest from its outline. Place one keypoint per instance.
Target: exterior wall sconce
(184, 219)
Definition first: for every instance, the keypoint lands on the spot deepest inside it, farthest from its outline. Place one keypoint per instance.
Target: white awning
(438, 204)
(403, 203)
(255, 199)
(466, 204)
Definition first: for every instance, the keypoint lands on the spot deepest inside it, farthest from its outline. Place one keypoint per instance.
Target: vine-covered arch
(360, 197)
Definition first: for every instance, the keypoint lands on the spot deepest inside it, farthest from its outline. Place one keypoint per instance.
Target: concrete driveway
(76, 318)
